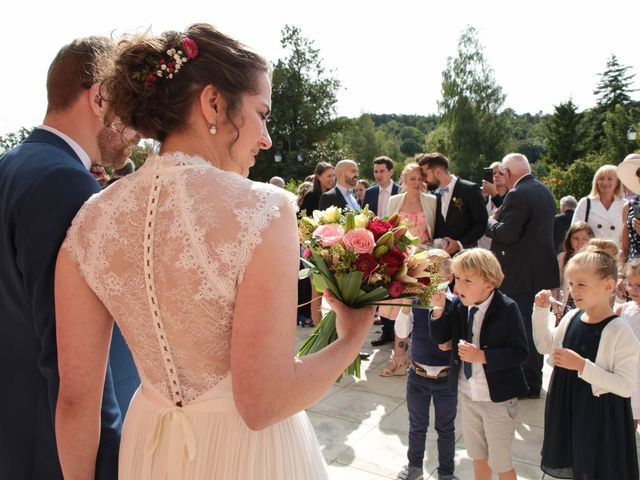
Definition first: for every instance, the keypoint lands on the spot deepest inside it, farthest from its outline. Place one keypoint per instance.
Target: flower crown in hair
(167, 67)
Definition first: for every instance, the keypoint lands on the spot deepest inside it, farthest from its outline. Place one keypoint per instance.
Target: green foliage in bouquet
(363, 260)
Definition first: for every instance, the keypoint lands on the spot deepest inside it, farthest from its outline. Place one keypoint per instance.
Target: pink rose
(307, 253)
(329, 234)
(395, 289)
(360, 240)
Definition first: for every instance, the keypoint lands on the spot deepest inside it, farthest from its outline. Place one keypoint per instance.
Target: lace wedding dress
(165, 250)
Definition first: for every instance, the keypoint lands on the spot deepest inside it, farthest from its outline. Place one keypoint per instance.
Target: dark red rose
(366, 263)
(378, 227)
(393, 259)
(396, 288)
(425, 281)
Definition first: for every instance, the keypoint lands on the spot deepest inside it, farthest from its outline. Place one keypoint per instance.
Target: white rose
(361, 220)
(331, 215)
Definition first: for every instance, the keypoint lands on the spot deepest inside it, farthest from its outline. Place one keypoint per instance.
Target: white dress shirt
(84, 157)
(476, 388)
(445, 198)
(383, 199)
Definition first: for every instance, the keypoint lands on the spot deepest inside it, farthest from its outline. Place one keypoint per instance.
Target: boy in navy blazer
(486, 334)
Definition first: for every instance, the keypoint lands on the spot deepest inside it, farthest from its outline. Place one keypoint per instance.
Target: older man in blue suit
(43, 183)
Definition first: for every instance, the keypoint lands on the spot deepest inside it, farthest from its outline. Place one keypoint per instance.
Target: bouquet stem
(324, 334)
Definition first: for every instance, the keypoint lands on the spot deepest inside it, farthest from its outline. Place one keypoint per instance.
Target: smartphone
(636, 211)
(488, 175)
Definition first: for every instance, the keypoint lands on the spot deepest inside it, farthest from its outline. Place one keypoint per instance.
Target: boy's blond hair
(442, 260)
(481, 262)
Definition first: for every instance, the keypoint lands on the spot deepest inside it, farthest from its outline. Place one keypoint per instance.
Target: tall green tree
(364, 141)
(614, 86)
(612, 89)
(616, 146)
(303, 98)
(470, 107)
(526, 133)
(565, 135)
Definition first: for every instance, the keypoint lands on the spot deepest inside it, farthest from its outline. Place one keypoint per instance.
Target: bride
(198, 265)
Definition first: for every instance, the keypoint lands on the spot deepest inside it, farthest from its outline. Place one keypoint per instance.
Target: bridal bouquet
(362, 260)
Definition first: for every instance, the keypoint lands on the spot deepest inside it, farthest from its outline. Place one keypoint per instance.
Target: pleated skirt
(208, 439)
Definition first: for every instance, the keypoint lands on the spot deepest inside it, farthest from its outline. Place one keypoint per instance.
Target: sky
(388, 55)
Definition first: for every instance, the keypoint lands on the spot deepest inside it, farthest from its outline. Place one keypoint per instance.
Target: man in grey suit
(522, 234)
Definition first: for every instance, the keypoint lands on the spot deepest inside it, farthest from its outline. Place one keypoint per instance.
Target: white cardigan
(428, 203)
(614, 370)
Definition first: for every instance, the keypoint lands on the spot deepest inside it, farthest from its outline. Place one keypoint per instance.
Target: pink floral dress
(417, 225)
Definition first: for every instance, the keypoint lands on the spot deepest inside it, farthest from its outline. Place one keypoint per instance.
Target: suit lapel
(376, 197)
(439, 221)
(427, 212)
(488, 315)
(454, 194)
(463, 312)
(341, 198)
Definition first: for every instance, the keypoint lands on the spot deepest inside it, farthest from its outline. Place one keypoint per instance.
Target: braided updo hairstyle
(155, 108)
(600, 255)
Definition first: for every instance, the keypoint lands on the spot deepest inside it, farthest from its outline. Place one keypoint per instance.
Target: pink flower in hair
(190, 48)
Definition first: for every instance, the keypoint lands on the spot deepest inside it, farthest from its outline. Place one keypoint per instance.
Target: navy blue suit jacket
(522, 239)
(372, 193)
(43, 184)
(502, 338)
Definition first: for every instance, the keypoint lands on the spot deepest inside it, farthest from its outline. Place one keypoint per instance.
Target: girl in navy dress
(588, 428)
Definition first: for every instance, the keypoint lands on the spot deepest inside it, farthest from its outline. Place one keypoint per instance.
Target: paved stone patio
(362, 426)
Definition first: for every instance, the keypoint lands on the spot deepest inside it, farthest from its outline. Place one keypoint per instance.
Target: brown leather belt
(423, 373)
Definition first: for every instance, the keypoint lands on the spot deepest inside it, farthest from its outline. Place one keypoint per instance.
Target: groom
(43, 183)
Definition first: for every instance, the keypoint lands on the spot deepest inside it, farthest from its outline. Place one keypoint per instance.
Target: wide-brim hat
(628, 171)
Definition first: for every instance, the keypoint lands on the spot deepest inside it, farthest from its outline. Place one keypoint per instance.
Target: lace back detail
(165, 249)
(149, 230)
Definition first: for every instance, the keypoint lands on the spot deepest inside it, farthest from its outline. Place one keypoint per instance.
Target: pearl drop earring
(212, 129)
